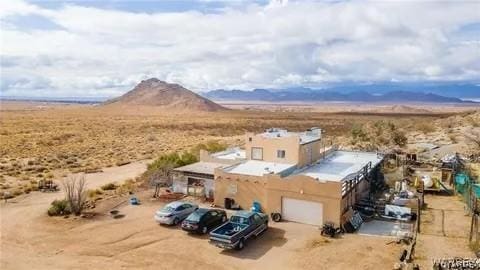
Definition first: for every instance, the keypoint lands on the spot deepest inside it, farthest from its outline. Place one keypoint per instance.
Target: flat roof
(201, 167)
(258, 167)
(305, 136)
(231, 154)
(339, 164)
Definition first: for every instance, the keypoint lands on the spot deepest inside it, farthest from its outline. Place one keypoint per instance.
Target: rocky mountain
(156, 93)
(310, 95)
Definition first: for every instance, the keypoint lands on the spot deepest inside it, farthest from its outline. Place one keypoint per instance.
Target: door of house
(302, 211)
(196, 187)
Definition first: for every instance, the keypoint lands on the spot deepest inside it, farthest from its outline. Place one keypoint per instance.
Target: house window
(249, 139)
(280, 153)
(257, 153)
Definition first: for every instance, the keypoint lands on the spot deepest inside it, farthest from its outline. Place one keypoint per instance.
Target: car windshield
(168, 209)
(195, 216)
(241, 220)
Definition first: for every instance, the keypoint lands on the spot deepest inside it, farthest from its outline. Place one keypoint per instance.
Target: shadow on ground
(258, 246)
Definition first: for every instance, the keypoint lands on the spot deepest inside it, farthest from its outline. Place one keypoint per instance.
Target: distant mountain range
(358, 93)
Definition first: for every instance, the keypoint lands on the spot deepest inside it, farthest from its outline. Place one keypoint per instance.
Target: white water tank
(427, 181)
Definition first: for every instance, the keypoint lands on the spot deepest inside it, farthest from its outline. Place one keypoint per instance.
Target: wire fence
(468, 188)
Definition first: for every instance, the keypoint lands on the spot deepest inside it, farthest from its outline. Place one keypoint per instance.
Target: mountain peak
(156, 93)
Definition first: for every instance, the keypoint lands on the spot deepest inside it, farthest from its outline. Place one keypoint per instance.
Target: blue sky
(103, 48)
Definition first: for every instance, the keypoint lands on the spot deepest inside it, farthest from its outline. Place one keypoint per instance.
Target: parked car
(241, 227)
(203, 220)
(173, 213)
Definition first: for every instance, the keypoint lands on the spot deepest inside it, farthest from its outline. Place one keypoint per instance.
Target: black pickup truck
(242, 226)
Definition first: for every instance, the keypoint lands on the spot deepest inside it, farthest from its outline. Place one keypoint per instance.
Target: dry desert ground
(44, 141)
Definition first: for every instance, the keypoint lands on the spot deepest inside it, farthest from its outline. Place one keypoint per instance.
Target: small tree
(162, 176)
(75, 192)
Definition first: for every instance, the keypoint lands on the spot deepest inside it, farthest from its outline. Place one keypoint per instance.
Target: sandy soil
(32, 240)
(444, 231)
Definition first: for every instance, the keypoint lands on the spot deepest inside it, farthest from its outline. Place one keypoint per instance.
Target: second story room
(282, 146)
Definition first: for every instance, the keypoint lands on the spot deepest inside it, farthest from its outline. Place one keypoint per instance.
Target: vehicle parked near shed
(203, 220)
(174, 212)
(241, 227)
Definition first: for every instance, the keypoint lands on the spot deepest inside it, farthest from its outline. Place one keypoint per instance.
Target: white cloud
(97, 52)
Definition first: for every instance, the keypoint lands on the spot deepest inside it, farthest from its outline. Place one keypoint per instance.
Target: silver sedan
(173, 213)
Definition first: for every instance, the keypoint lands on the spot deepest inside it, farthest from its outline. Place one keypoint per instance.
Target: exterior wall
(309, 153)
(295, 153)
(305, 188)
(271, 145)
(244, 189)
(180, 185)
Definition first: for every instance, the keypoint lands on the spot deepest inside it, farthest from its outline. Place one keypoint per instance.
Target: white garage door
(301, 211)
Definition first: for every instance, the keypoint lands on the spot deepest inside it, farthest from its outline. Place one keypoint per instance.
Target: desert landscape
(112, 144)
(49, 140)
(239, 135)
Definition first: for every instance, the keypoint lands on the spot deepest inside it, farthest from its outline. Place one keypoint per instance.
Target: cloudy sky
(103, 48)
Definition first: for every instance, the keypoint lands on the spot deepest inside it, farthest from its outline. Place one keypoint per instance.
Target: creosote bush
(59, 208)
(75, 193)
(109, 186)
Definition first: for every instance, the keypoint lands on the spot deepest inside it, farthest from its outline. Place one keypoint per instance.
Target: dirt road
(32, 240)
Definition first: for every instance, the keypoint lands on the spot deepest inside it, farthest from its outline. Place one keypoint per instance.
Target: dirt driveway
(32, 240)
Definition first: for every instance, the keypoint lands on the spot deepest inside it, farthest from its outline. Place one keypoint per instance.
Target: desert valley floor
(42, 140)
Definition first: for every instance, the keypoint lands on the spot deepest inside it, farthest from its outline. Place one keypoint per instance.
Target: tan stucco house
(294, 174)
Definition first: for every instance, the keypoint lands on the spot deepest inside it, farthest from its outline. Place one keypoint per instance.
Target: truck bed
(228, 229)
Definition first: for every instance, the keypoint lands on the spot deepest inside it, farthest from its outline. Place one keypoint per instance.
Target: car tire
(176, 221)
(241, 244)
(277, 217)
(204, 229)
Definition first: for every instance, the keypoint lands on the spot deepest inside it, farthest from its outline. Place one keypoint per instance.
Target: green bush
(357, 132)
(59, 208)
(399, 138)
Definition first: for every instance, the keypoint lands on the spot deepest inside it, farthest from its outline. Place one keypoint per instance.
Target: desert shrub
(357, 132)
(425, 127)
(453, 138)
(122, 162)
(59, 208)
(5, 195)
(34, 187)
(160, 169)
(126, 187)
(211, 146)
(109, 186)
(391, 126)
(75, 193)
(399, 138)
(380, 127)
(17, 192)
(92, 193)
